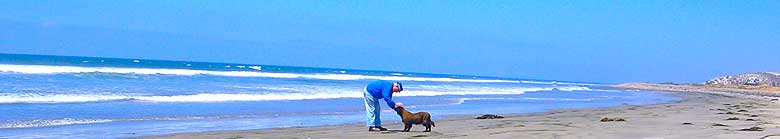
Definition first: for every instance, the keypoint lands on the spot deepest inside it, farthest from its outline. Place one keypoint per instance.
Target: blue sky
(592, 41)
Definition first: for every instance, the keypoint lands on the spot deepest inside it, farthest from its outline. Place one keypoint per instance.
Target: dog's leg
(427, 125)
(407, 127)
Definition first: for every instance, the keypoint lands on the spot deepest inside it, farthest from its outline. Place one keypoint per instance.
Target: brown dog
(415, 118)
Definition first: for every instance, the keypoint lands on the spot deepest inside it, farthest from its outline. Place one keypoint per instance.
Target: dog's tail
(433, 124)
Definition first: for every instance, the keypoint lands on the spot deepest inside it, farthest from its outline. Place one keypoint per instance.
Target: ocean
(89, 97)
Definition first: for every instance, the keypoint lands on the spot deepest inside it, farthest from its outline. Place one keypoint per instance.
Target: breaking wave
(222, 97)
(45, 69)
(54, 122)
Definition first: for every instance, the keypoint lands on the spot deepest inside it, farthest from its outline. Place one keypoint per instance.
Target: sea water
(89, 97)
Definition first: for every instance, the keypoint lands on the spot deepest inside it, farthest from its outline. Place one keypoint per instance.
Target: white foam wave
(71, 121)
(54, 122)
(573, 88)
(482, 88)
(488, 91)
(244, 97)
(74, 98)
(44, 69)
(57, 98)
(222, 97)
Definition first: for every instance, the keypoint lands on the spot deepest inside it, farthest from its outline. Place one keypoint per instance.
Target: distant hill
(762, 84)
(751, 79)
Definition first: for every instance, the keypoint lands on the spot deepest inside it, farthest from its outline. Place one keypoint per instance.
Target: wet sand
(702, 114)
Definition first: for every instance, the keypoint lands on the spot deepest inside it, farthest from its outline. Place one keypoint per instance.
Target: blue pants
(372, 110)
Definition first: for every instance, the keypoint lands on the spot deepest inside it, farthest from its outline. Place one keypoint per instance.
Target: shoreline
(697, 115)
(445, 118)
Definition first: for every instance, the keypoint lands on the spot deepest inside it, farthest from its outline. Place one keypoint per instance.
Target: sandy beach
(702, 114)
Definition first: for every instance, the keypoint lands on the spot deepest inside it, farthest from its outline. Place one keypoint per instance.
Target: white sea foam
(290, 94)
(57, 98)
(53, 122)
(74, 98)
(489, 91)
(244, 97)
(573, 88)
(44, 69)
(71, 121)
(256, 67)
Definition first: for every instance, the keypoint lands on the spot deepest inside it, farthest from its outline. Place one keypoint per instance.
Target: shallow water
(84, 97)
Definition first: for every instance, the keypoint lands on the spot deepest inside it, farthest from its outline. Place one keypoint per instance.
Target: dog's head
(400, 110)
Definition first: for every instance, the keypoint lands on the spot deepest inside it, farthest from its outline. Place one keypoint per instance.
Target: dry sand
(704, 114)
(701, 88)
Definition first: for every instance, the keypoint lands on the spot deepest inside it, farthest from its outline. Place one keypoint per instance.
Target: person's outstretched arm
(387, 94)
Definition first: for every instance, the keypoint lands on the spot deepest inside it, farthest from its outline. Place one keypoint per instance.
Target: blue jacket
(382, 89)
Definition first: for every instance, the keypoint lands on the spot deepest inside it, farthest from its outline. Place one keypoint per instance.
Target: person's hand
(399, 104)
